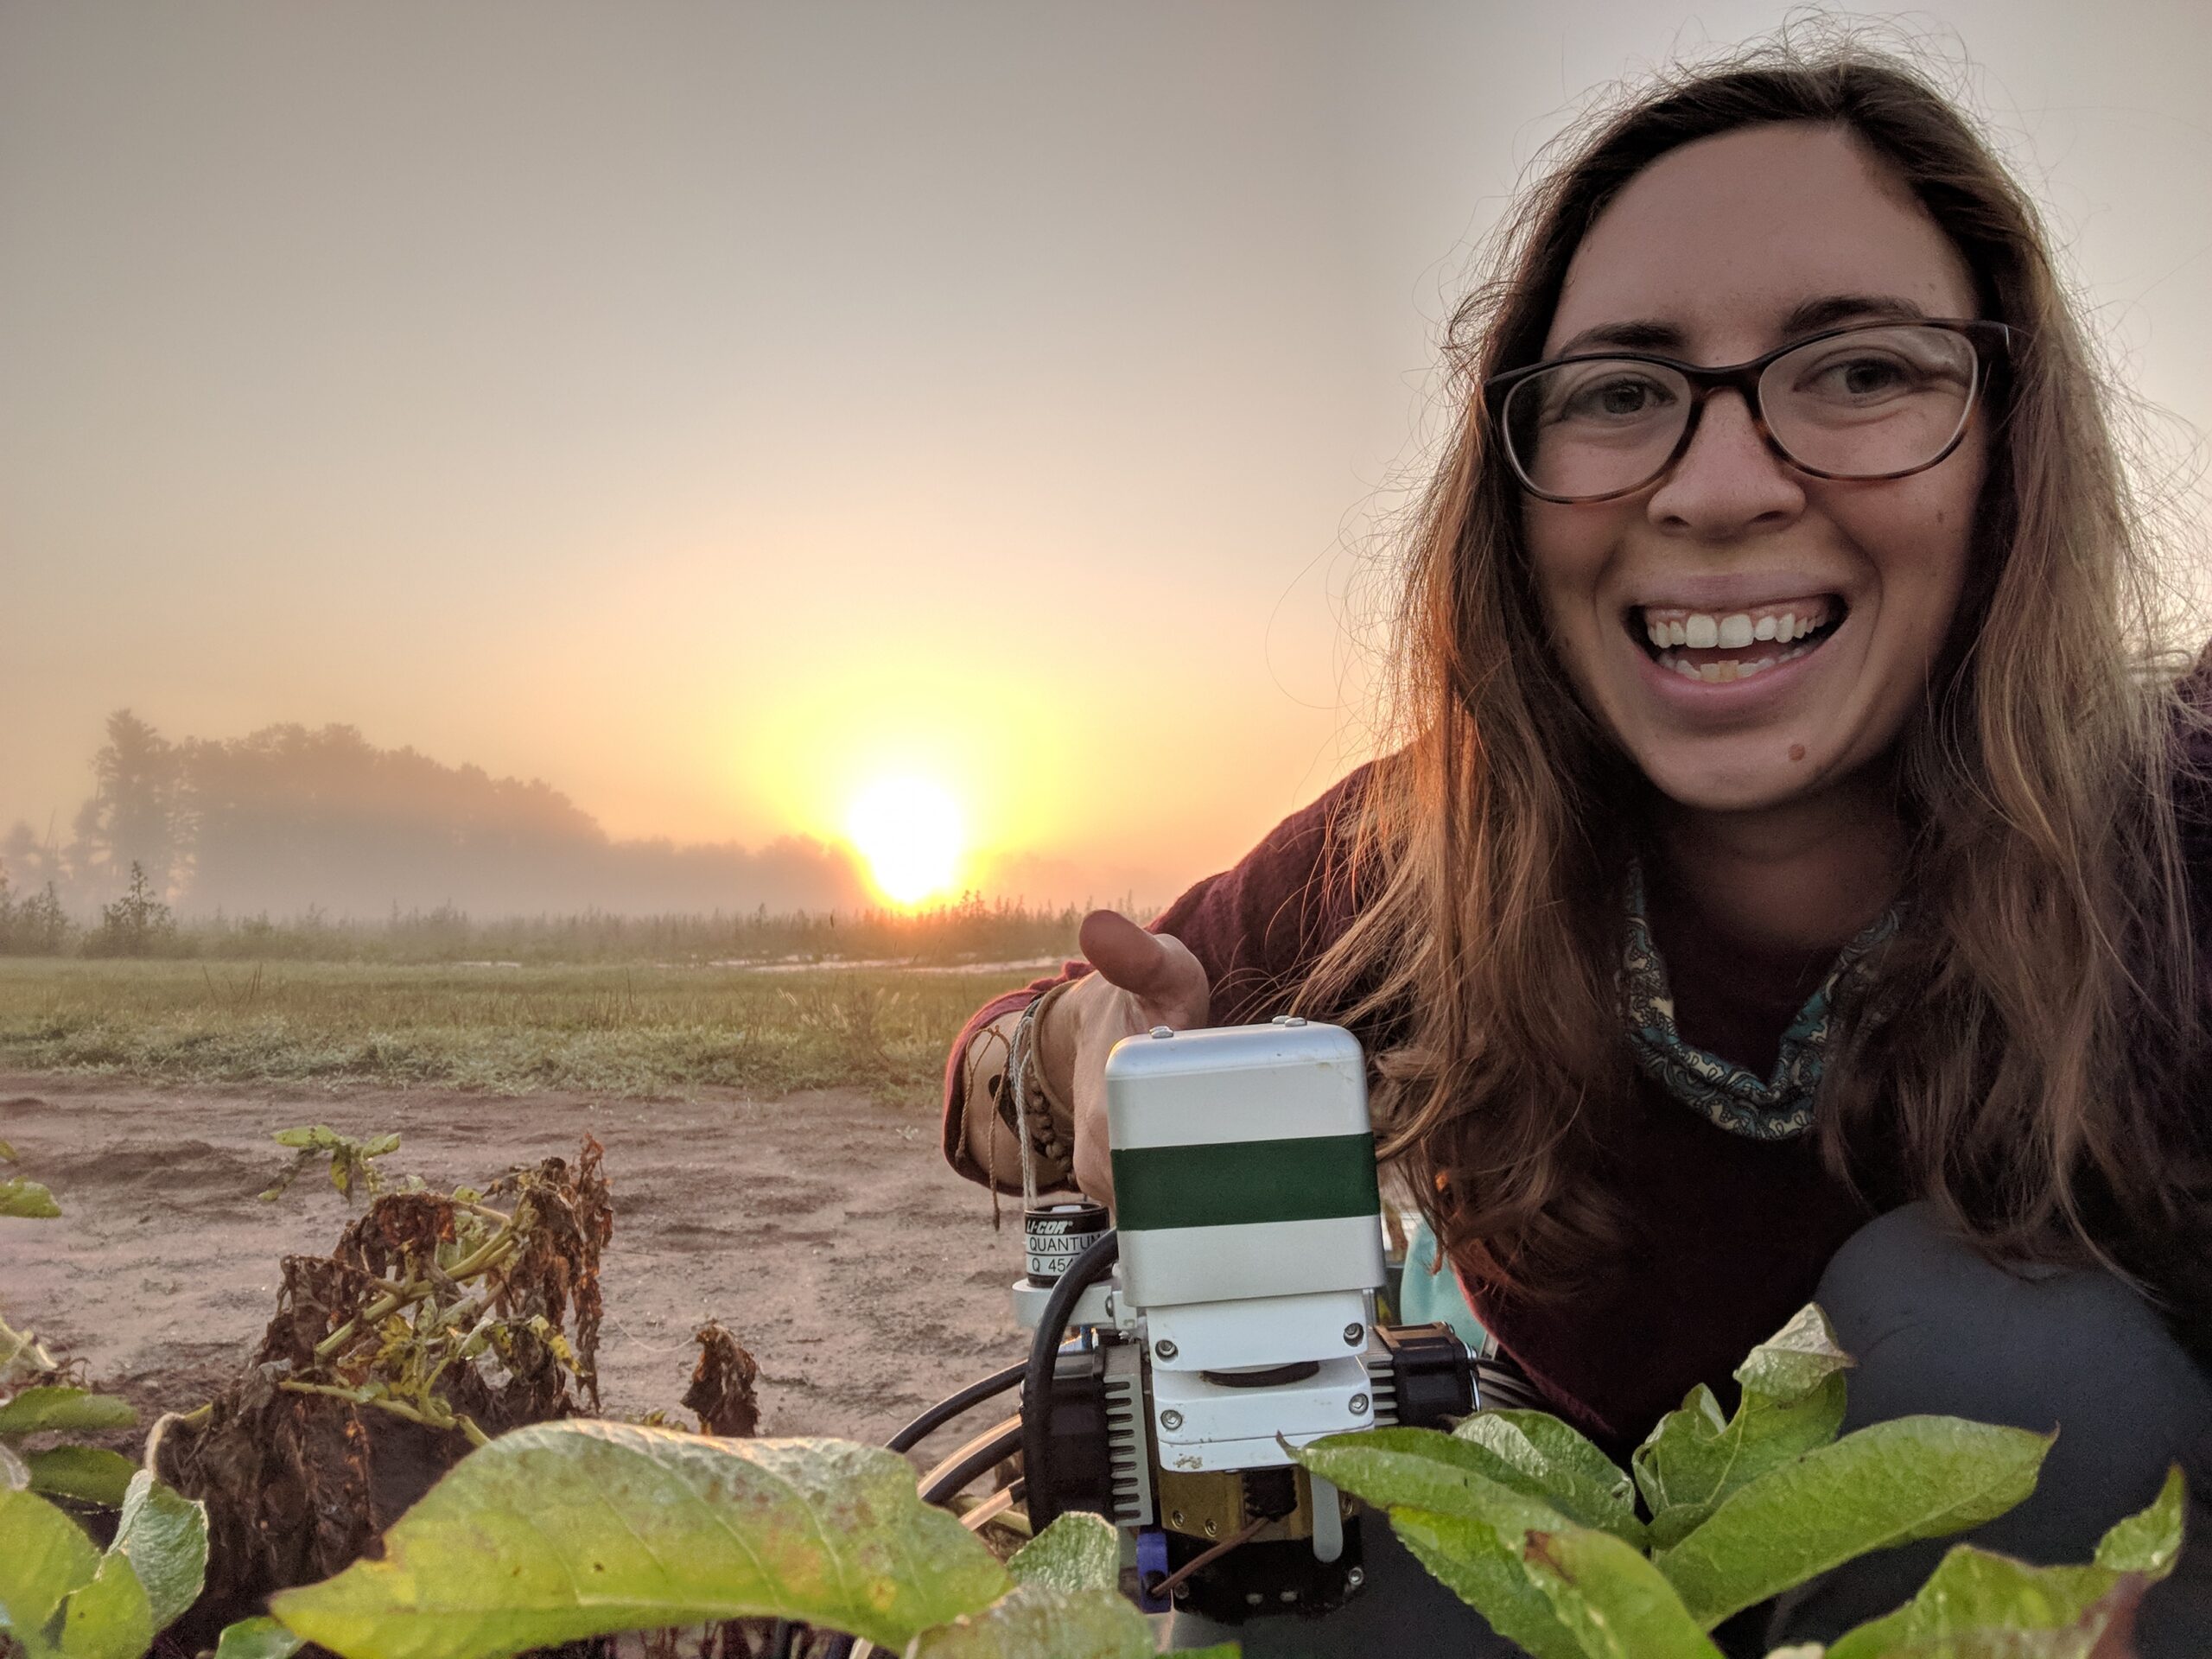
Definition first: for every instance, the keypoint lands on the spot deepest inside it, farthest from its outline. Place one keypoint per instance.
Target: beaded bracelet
(1027, 1106)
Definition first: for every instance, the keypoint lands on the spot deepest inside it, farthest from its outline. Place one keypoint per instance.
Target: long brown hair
(2054, 1031)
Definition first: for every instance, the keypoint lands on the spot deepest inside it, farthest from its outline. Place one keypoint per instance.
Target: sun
(909, 830)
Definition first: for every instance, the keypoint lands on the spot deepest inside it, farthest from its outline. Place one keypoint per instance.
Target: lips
(1728, 683)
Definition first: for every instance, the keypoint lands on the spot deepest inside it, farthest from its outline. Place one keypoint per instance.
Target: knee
(1937, 1328)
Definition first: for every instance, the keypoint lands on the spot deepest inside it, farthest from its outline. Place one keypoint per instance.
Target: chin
(1757, 789)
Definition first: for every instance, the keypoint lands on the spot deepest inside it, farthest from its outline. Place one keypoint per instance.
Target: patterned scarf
(1725, 1094)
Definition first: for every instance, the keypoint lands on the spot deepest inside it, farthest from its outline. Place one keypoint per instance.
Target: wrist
(1056, 1035)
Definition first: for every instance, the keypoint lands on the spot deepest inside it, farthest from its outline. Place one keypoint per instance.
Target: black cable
(993, 1445)
(1024, 1433)
(946, 1409)
(1037, 1377)
(1501, 1385)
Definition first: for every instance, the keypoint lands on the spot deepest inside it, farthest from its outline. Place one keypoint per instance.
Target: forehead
(1722, 238)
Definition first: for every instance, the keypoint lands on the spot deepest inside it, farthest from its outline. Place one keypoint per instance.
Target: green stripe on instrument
(1234, 1183)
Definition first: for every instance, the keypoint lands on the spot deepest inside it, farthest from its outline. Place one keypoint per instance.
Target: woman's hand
(1143, 979)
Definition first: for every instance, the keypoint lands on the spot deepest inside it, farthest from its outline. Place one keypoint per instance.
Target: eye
(1612, 395)
(1860, 376)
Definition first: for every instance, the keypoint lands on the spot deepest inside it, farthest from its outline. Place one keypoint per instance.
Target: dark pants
(1934, 1328)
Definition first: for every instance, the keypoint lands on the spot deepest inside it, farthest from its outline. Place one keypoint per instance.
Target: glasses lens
(1872, 402)
(1595, 428)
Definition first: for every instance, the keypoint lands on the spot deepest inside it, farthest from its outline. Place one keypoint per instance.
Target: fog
(292, 822)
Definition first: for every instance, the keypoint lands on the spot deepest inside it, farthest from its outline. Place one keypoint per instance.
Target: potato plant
(1533, 1526)
(444, 1316)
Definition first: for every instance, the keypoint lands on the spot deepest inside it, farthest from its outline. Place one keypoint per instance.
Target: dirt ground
(823, 1229)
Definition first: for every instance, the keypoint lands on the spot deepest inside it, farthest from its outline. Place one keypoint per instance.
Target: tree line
(289, 821)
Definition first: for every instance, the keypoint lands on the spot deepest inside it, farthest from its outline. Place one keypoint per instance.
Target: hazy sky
(709, 409)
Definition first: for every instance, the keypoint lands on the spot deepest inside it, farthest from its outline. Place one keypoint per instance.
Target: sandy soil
(824, 1229)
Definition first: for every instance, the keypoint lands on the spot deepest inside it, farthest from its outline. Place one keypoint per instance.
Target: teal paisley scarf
(1727, 1095)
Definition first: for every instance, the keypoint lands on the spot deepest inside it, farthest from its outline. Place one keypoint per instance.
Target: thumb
(1161, 971)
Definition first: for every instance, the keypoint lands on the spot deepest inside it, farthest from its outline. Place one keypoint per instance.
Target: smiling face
(1719, 252)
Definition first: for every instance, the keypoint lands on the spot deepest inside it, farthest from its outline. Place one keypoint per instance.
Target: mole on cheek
(1796, 750)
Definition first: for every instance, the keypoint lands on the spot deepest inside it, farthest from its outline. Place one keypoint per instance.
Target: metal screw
(1213, 1529)
(1359, 1405)
(1175, 1519)
(1353, 1580)
(1355, 1335)
(1164, 1349)
(1171, 1420)
(1252, 1598)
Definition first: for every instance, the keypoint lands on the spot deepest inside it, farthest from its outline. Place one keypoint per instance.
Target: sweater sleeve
(1253, 928)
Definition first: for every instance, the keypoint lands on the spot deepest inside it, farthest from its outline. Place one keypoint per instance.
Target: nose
(1728, 483)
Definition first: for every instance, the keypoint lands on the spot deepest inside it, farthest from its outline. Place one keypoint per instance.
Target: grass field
(622, 1030)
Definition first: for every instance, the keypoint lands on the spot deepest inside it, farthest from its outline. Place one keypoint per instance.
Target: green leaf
(1484, 1570)
(315, 1136)
(1974, 1593)
(1038, 1619)
(84, 1472)
(379, 1146)
(165, 1534)
(257, 1638)
(1797, 1360)
(50, 1406)
(1427, 1469)
(1463, 1525)
(1890, 1484)
(1973, 1590)
(2149, 1541)
(25, 1198)
(1538, 1455)
(563, 1530)
(107, 1619)
(43, 1556)
(1618, 1604)
(1793, 1402)
(1078, 1551)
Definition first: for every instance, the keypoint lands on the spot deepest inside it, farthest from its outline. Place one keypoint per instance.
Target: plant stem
(450, 1419)
(16, 1342)
(494, 1251)
(151, 1459)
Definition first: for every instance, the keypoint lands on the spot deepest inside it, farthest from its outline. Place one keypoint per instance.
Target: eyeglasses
(1872, 401)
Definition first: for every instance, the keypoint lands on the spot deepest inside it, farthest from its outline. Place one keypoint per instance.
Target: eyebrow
(1649, 334)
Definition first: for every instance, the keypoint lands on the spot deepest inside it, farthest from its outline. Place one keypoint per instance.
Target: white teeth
(1702, 631)
(1722, 673)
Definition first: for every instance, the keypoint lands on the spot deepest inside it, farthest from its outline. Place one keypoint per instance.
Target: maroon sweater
(1730, 1233)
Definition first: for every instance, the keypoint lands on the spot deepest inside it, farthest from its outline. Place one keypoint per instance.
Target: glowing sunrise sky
(713, 409)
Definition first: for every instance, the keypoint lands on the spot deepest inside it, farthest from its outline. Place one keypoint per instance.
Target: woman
(1789, 881)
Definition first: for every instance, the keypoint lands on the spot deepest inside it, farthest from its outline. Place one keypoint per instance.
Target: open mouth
(1720, 647)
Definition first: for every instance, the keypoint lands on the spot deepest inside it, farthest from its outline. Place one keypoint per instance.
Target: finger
(1125, 953)
(1161, 971)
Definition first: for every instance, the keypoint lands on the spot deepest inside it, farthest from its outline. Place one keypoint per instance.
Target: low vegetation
(138, 924)
(632, 1031)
